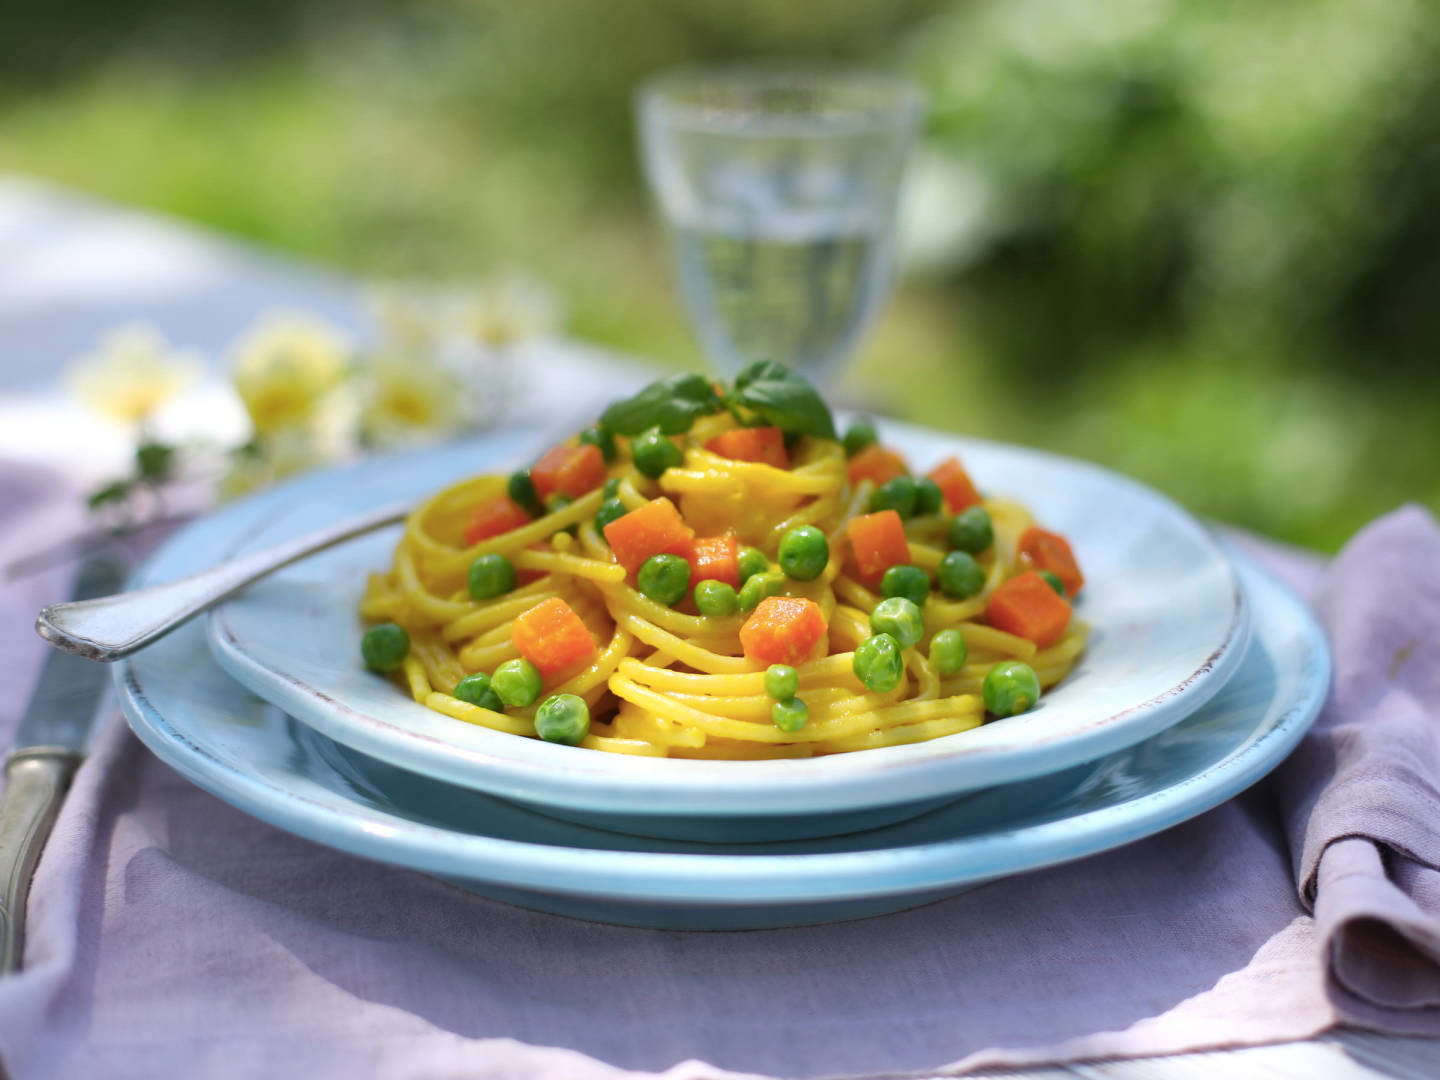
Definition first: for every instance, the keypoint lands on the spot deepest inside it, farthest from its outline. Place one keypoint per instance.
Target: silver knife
(49, 745)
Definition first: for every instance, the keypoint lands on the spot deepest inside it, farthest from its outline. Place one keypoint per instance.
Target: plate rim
(740, 880)
(846, 781)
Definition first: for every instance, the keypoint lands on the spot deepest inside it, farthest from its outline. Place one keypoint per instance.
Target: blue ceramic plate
(1169, 624)
(252, 755)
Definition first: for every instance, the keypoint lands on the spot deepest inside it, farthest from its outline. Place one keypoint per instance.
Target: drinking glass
(778, 186)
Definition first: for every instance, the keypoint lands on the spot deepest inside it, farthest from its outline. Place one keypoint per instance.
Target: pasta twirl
(576, 651)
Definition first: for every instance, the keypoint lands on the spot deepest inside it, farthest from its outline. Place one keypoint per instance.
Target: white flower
(285, 369)
(410, 398)
(132, 373)
(508, 310)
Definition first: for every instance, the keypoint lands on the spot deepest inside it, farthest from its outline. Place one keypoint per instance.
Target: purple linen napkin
(173, 935)
(1361, 796)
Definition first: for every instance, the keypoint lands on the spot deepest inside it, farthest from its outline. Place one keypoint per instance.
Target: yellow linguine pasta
(666, 681)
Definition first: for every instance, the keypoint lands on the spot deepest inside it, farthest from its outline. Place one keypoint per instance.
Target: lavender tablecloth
(171, 935)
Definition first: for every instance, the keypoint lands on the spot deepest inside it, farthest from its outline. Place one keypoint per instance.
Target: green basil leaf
(671, 404)
(783, 399)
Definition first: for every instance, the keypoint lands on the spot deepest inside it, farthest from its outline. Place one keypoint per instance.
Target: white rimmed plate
(1169, 625)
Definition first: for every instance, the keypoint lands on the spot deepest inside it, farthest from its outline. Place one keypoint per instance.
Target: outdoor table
(69, 270)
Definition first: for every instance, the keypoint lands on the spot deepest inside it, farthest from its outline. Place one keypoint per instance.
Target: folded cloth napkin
(173, 935)
(1361, 796)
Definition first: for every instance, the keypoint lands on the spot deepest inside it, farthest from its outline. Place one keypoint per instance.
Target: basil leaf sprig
(672, 404)
(782, 399)
(765, 393)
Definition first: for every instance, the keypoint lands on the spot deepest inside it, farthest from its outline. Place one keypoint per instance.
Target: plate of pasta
(712, 613)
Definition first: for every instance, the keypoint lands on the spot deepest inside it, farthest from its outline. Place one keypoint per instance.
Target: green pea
(948, 651)
(960, 575)
(1053, 580)
(716, 599)
(781, 681)
(878, 663)
(611, 489)
(898, 494)
(522, 490)
(928, 498)
(610, 510)
(860, 434)
(477, 691)
(654, 453)
(972, 530)
(759, 586)
(563, 718)
(600, 437)
(752, 562)
(804, 553)
(384, 646)
(900, 618)
(490, 576)
(908, 581)
(790, 714)
(664, 579)
(1010, 688)
(516, 683)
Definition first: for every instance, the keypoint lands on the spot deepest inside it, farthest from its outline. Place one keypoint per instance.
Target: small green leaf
(783, 399)
(154, 460)
(119, 491)
(672, 404)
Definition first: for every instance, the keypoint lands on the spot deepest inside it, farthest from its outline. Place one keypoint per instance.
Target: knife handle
(35, 783)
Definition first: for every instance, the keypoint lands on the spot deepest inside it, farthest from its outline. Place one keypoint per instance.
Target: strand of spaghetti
(761, 706)
(813, 673)
(633, 491)
(441, 668)
(987, 637)
(414, 671)
(723, 727)
(687, 653)
(621, 746)
(931, 529)
(638, 723)
(422, 600)
(602, 667)
(849, 626)
(475, 657)
(855, 594)
(906, 733)
(813, 513)
(859, 500)
(477, 714)
(827, 466)
(452, 562)
(926, 557)
(927, 681)
(479, 620)
(622, 598)
(940, 614)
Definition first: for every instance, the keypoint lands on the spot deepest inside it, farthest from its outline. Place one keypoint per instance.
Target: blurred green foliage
(1197, 242)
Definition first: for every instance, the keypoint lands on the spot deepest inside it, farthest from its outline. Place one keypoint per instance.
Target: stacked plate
(1200, 675)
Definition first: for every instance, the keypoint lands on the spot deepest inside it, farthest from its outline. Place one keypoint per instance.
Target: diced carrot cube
(1028, 607)
(1042, 550)
(569, 470)
(496, 516)
(763, 444)
(715, 558)
(876, 464)
(782, 630)
(954, 483)
(552, 637)
(877, 542)
(653, 529)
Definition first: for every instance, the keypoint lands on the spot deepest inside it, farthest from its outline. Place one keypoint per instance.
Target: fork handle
(35, 782)
(112, 627)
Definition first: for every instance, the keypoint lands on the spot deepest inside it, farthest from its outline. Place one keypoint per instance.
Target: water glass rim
(895, 101)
